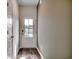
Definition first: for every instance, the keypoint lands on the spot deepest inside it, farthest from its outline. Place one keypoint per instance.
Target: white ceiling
(28, 2)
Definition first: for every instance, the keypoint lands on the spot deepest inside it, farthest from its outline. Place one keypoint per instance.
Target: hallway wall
(15, 17)
(26, 11)
(55, 29)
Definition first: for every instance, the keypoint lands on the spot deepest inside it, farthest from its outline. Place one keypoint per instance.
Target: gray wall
(54, 29)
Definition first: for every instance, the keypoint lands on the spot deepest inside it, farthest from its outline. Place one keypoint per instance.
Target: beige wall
(54, 29)
(26, 11)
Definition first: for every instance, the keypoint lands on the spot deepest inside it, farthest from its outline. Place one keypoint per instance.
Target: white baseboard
(40, 53)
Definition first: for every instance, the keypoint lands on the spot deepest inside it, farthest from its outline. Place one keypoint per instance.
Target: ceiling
(28, 2)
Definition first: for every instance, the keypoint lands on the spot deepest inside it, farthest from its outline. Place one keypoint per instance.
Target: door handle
(12, 36)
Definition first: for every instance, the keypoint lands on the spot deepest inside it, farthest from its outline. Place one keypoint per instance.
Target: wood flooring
(28, 53)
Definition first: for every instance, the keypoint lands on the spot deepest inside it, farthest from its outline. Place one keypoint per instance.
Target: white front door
(29, 33)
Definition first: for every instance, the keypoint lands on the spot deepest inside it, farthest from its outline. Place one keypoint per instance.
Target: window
(28, 27)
